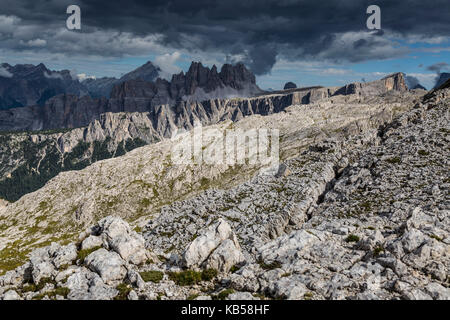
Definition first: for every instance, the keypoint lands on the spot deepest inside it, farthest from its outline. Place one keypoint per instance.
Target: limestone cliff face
(395, 81)
(3, 204)
(164, 101)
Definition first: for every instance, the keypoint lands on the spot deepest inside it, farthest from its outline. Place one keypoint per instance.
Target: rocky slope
(359, 216)
(139, 183)
(357, 210)
(29, 160)
(26, 85)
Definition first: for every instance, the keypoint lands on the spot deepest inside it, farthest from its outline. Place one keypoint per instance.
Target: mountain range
(29, 85)
(88, 189)
(25, 84)
(82, 131)
(102, 87)
(355, 210)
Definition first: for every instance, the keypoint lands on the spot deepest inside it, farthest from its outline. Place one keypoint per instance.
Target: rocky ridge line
(68, 111)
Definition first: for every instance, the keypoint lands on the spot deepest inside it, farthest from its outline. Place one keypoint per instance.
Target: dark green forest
(35, 173)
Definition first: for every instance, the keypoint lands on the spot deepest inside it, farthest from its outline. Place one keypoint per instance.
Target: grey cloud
(259, 31)
(437, 67)
(262, 59)
(52, 75)
(5, 73)
(359, 43)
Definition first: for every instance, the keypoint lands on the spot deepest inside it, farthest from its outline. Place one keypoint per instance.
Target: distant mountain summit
(202, 83)
(102, 87)
(198, 84)
(444, 76)
(26, 84)
(147, 72)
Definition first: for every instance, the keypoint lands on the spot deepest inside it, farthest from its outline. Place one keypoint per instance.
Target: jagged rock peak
(199, 83)
(103, 87)
(236, 77)
(239, 73)
(146, 72)
(395, 81)
(445, 85)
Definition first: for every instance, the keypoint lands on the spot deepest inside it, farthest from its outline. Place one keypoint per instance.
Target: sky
(307, 42)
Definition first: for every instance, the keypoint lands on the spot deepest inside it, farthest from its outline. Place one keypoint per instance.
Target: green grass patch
(209, 274)
(82, 254)
(436, 237)
(11, 257)
(32, 287)
(192, 296)
(185, 278)
(308, 296)
(191, 277)
(124, 290)
(378, 250)
(152, 276)
(394, 160)
(352, 238)
(234, 268)
(224, 294)
(269, 266)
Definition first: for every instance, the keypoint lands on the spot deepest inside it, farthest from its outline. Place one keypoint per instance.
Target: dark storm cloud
(257, 30)
(437, 67)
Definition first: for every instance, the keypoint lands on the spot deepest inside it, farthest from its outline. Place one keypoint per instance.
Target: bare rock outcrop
(217, 248)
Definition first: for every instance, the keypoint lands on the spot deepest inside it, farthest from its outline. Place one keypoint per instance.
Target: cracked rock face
(362, 215)
(201, 248)
(108, 265)
(218, 249)
(118, 236)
